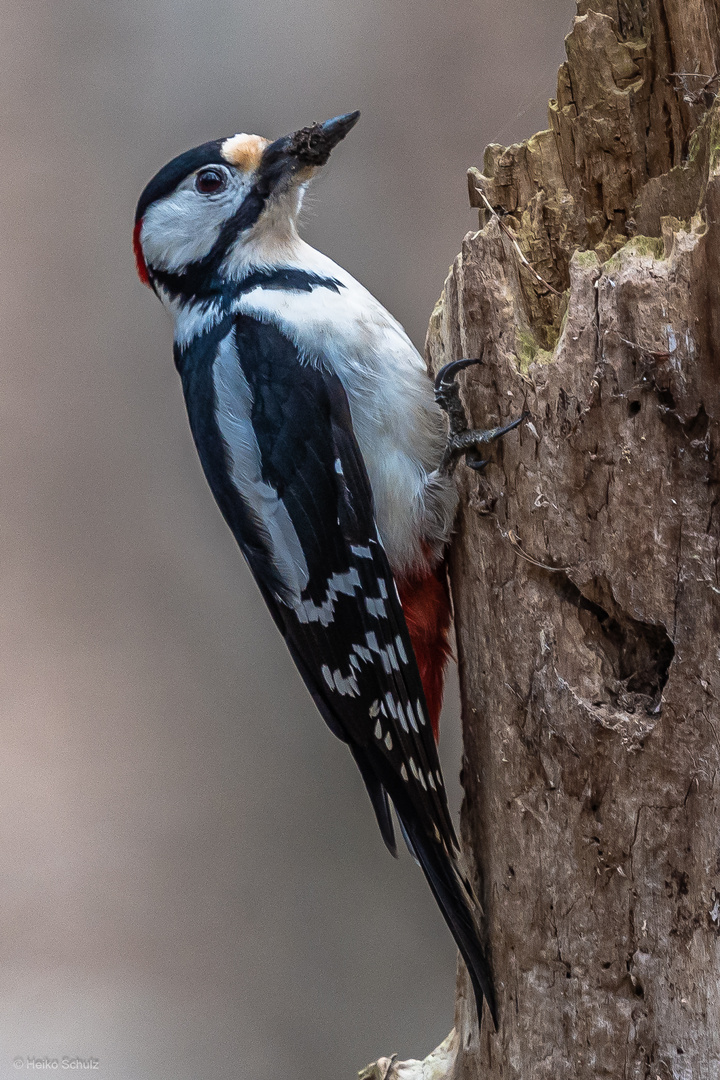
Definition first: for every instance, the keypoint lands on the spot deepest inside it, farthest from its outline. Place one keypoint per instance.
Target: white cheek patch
(183, 227)
(174, 235)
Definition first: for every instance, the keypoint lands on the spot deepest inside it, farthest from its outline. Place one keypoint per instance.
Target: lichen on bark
(586, 566)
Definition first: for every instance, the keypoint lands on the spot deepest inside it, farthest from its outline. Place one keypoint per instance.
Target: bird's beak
(295, 157)
(312, 145)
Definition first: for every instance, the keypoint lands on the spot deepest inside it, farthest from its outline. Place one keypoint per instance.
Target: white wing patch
(233, 415)
(234, 402)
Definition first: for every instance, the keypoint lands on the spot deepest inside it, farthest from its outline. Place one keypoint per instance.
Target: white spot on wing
(401, 649)
(388, 741)
(346, 583)
(338, 467)
(391, 705)
(375, 607)
(378, 730)
(420, 711)
(327, 676)
(411, 718)
(361, 552)
(403, 772)
(374, 709)
(392, 656)
(346, 686)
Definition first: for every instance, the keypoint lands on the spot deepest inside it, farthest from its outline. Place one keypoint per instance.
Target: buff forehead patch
(244, 151)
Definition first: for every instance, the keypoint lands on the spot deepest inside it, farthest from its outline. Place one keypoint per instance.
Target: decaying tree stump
(586, 572)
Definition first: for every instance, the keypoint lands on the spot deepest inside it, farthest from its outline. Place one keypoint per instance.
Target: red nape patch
(426, 605)
(139, 257)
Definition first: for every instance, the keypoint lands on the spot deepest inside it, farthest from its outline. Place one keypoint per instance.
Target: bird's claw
(462, 439)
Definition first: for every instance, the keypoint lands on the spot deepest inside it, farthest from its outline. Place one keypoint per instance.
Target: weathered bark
(586, 573)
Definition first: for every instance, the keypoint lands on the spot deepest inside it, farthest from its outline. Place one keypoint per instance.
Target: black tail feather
(378, 798)
(454, 897)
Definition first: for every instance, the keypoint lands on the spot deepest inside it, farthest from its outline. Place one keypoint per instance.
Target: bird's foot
(462, 439)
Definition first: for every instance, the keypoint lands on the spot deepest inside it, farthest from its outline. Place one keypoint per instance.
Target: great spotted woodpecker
(322, 443)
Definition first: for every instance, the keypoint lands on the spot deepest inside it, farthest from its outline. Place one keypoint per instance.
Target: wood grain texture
(586, 566)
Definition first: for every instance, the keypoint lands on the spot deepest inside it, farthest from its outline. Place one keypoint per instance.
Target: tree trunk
(585, 570)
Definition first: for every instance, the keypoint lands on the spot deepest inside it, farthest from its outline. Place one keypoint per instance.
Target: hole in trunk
(636, 655)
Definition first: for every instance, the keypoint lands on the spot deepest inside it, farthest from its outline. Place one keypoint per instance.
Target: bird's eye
(210, 181)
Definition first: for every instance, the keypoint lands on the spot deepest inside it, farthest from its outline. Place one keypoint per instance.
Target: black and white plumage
(317, 431)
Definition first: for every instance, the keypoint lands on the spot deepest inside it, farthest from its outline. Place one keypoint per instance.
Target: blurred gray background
(193, 885)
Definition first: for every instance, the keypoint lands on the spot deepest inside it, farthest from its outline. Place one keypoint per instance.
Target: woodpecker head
(227, 205)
